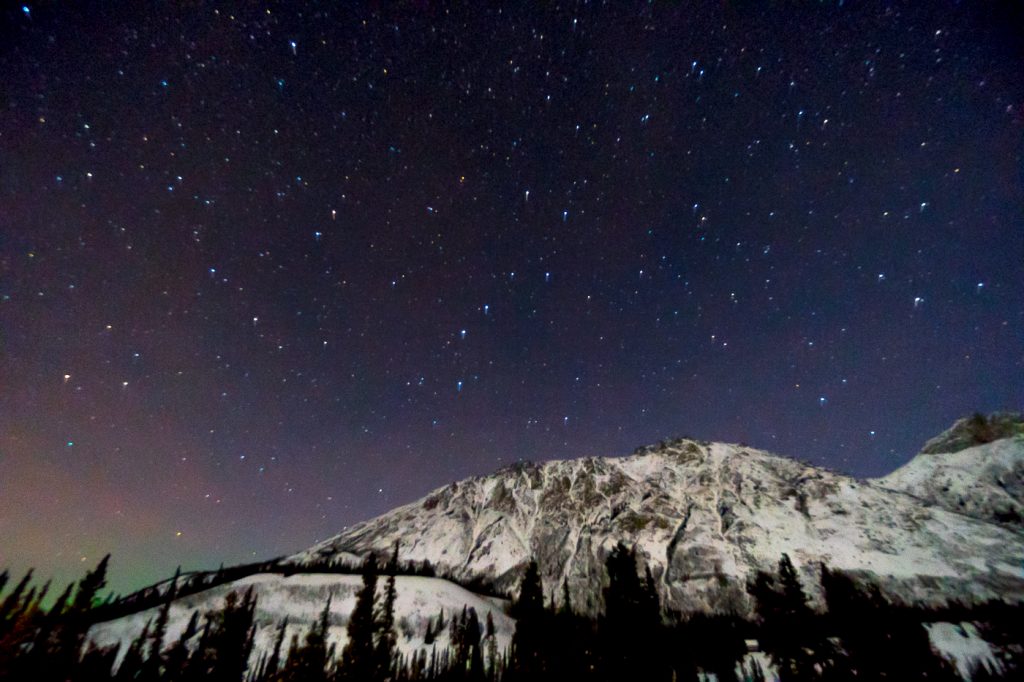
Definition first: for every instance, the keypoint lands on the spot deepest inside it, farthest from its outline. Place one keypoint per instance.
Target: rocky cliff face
(975, 468)
(705, 517)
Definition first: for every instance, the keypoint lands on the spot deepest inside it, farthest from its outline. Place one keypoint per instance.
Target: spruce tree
(97, 663)
(153, 666)
(428, 636)
(790, 633)
(131, 665)
(36, 604)
(18, 629)
(714, 643)
(13, 601)
(357, 659)
(70, 633)
(308, 663)
(491, 637)
(877, 639)
(528, 655)
(199, 661)
(274, 662)
(236, 638)
(226, 641)
(631, 625)
(90, 586)
(177, 655)
(471, 643)
(44, 655)
(384, 650)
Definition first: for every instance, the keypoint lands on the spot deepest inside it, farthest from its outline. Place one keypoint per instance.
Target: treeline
(861, 636)
(182, 585)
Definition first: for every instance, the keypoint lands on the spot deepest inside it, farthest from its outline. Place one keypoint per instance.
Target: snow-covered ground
(961, 644)
(753, 661)
(302, 598)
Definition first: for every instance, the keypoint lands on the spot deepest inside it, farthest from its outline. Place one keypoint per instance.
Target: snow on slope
(704, 517)
(302, 598)
(961, 644)
(984, 481)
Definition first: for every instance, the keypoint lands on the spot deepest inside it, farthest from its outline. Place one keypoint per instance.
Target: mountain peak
(976, 430)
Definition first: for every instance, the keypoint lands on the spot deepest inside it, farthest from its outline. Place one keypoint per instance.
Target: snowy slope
(704, 517)
(302, 598)
(961, 644)
(985, 481)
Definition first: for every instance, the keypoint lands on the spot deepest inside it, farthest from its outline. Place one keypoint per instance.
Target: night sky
(269, 271)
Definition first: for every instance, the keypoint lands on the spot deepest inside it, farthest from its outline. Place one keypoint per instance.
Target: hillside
(301, 598)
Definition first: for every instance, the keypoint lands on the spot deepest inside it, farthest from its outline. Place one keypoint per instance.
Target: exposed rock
(976, 430)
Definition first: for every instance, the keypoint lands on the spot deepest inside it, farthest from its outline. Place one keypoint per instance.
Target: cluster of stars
(268, 273)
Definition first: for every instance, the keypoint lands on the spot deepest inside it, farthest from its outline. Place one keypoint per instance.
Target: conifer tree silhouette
(527, 655)
(384, 647)
(357, 658)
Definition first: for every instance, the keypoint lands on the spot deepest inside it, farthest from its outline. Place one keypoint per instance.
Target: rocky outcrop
(975, 468)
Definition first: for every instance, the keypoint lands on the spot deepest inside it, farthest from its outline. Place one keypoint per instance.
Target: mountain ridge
(704, 517)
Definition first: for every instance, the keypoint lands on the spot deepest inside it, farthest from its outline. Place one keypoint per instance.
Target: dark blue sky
(266, 272)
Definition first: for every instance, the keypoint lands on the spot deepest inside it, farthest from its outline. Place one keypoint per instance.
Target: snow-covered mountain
(974, 468)
(704, 517)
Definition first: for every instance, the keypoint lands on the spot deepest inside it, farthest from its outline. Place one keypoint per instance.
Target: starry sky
(267, 270)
